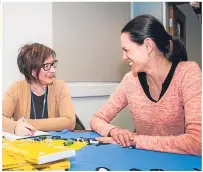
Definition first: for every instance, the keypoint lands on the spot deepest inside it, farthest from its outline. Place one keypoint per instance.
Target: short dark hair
(31, 57)
(147, 26)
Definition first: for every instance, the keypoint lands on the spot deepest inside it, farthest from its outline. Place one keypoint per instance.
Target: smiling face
(46, 74)
(136, 55)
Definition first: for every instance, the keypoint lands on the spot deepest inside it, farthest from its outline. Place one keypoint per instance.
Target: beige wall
(86, 38)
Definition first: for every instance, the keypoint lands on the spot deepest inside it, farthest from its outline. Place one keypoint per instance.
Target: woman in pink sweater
(163, 92)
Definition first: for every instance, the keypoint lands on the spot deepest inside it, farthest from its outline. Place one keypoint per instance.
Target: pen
(27, 123)
(24, 120)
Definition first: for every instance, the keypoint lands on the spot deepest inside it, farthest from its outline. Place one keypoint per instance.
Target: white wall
(32, 22)
(23, 23)
(193, 34)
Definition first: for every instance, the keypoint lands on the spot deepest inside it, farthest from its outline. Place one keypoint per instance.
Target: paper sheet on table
(16, 137)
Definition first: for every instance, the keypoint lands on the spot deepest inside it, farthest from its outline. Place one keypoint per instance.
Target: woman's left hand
(122, 136)
(112, 141)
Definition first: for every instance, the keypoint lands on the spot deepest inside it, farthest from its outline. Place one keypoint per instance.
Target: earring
(147, 50)
(149, 54)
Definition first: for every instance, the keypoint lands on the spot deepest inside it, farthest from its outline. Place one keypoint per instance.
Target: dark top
(38, 101)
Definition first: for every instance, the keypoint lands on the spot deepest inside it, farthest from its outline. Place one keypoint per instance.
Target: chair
(79, 125)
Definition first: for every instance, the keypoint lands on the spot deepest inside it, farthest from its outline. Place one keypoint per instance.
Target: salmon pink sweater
(173, 124)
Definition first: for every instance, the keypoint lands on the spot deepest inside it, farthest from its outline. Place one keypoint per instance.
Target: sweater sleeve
(190, 142)
(9, 102)
(66, 108)
(116, 102)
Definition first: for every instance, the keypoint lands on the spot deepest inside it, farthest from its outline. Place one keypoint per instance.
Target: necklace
(44, 103)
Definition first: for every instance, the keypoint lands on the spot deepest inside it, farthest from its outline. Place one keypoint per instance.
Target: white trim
(91, 89)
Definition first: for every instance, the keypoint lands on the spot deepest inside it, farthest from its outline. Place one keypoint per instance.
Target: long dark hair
(147, 26)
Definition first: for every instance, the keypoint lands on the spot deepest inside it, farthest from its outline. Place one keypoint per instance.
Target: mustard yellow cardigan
(17, 103)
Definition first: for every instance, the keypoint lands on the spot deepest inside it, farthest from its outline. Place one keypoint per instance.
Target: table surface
(114, 157)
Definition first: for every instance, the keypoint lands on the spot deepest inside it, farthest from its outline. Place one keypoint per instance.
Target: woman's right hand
(121, 136)
(24, 129)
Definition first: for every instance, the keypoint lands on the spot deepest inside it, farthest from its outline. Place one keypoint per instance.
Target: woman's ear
(149, 44)
(34, 73)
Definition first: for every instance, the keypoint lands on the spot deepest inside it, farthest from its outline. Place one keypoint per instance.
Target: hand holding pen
(23, 128)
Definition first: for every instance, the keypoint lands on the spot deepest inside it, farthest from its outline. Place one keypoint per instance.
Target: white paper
(16, 137)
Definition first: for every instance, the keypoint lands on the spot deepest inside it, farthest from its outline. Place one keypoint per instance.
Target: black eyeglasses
(47, 66)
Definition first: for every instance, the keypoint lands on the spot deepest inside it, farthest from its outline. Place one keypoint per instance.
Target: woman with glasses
(40, 102)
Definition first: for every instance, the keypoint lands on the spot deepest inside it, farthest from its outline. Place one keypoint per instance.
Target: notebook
(38, 152)
(13, 162)
(62, 165)
(16, 137)
(10, 160)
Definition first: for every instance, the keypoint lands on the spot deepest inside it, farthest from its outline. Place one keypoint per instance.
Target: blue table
(114, 157)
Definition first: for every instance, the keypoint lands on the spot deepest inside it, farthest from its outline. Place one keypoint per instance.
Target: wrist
(110, 132)
(134, 141)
